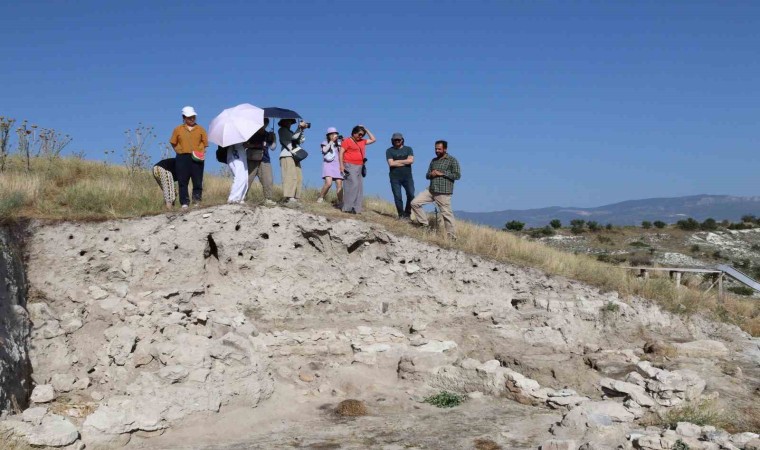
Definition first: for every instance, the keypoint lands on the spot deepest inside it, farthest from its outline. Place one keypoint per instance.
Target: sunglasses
(396, 140)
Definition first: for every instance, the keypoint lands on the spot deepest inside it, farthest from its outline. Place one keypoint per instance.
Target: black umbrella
(280, 113)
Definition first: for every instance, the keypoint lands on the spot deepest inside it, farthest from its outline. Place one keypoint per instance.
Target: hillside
(631, 212)
(251, 327)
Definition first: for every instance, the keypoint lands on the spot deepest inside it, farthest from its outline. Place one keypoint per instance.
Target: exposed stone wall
(15, 369)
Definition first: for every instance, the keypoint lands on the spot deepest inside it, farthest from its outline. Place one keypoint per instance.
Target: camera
(305, 125)
(340, 137)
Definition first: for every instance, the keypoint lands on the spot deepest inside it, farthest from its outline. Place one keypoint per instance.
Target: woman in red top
(352, 158)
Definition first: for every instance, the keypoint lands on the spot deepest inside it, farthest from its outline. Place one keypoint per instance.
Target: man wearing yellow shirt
(189, 140)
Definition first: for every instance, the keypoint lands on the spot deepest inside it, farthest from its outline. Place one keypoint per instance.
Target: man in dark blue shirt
(400, 159)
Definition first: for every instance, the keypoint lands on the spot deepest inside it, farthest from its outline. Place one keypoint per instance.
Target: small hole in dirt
(82, 252)
(264, 235)
(495, 269)
(176, 246)
(105, 239)
(237, 227)
(297, 245)
(211, 248)
(250, 258)
(403, 261)
(170, 260)
(71, 236)
(275, 225)
(240, 253)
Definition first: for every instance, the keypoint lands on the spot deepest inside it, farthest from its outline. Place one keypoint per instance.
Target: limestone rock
(121, 345)
(54, 431)
(63, 382)
(636, 393)
(43, 393)
(557, 444)
(701, 349)
(34, 415)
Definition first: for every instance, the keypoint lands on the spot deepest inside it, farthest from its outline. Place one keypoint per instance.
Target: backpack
(221, 154)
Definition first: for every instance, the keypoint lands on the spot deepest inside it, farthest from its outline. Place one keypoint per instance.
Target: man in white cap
(189, 140)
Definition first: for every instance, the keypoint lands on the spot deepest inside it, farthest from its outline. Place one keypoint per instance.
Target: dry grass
(9, 442)
(708, 412)
(73, 189)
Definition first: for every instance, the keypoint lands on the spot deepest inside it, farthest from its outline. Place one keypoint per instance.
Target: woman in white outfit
(237, 160)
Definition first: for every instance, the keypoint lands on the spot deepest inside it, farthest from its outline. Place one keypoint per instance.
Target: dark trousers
(408, 184)
(187, 168)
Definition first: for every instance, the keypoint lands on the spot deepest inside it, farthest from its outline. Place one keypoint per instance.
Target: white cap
(188, 111)
(332, 130)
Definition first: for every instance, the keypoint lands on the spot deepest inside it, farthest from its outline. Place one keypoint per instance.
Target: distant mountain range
(631, 212)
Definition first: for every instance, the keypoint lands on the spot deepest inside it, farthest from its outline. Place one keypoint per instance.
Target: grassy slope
(71, 189)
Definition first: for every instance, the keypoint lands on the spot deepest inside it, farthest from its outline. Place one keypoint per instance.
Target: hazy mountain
(630, 212)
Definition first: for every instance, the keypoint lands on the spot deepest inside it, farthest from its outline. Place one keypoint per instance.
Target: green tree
(556, 224)
(659, 224)
(646, 224)
(514, 225)
(593, 225)
(709, 224)
(688, 224)
(576, 226)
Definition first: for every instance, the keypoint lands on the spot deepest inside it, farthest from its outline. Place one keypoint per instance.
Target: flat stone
(173, 374)
(636, 393)
(34, 415)
(98, 293)
(54, 431)
(688, 429)
(43, 393)
(63, 382)
(412, 268)
(437, 346)
(81, 384)
(702, 349)
(754, 444)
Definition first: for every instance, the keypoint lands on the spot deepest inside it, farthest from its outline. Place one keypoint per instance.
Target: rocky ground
(241, 328)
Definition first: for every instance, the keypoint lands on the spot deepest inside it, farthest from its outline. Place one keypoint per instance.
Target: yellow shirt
(187, 141)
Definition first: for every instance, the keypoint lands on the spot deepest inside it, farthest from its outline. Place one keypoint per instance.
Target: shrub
(681, 445)
(640, 260)
(445, 399)
(609, 227)
(542, 232)
(576, 226)
(514, 225)
(742, 290)
(716, 254)
(593, 226)
(709, 224)
(611, 307)
(688, 224)
(755, 247)
(611, 259)
(556, 224)
(659, 224)
(604, 239)
(639, 244)
(10, 205)
(749, 218)
(646, 224)
(694, 248)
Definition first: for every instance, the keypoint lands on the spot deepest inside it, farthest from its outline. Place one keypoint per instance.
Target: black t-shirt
(168, 164)
(398, 154)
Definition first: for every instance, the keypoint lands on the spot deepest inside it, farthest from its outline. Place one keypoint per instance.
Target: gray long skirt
(353, 188)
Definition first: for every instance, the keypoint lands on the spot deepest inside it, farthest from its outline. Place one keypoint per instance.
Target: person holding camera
(292, 176)
(352, 155)
(331, 165)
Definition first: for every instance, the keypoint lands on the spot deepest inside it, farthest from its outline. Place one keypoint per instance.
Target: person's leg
(418, 214)
(183, 167)
(254, 171)
(444, 206)
(265, 176)
(239, 177)
(288, 167)
(197, 176)
(350, 187)
(339, 192)
(408, 185)
(397, 200)
(325, 188)
(299, 180)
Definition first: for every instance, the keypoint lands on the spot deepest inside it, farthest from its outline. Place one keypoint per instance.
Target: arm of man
(430, 172)
(452, 172)
(204, 140)
(408, 161)
(174, 140)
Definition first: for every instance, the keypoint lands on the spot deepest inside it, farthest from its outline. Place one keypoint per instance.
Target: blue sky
(544, 103)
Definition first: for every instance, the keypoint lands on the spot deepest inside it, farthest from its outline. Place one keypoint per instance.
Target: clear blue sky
(543, 102)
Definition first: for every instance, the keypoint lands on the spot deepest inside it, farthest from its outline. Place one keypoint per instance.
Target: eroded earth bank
(241, 328)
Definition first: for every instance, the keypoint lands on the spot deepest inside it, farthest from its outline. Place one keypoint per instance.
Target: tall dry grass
(74, 189)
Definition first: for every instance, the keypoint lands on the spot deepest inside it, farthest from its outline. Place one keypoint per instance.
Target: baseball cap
(188, 111)
(397, 136)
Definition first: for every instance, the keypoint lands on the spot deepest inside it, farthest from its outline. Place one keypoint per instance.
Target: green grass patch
(445, 399)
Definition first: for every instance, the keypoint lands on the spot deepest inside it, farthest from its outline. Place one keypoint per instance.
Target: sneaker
(269, 202)
(292, 200)
(320, 200)
(184, 206)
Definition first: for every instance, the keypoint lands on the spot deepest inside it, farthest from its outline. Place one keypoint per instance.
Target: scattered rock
(54, 431)
(34, 415)
(43, 393)
(701, 349)
(63, 382)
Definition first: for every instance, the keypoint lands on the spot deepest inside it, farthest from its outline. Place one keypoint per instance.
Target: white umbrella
(235, 125)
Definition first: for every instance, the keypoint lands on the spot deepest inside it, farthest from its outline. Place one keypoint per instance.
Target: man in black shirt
(400, 159)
